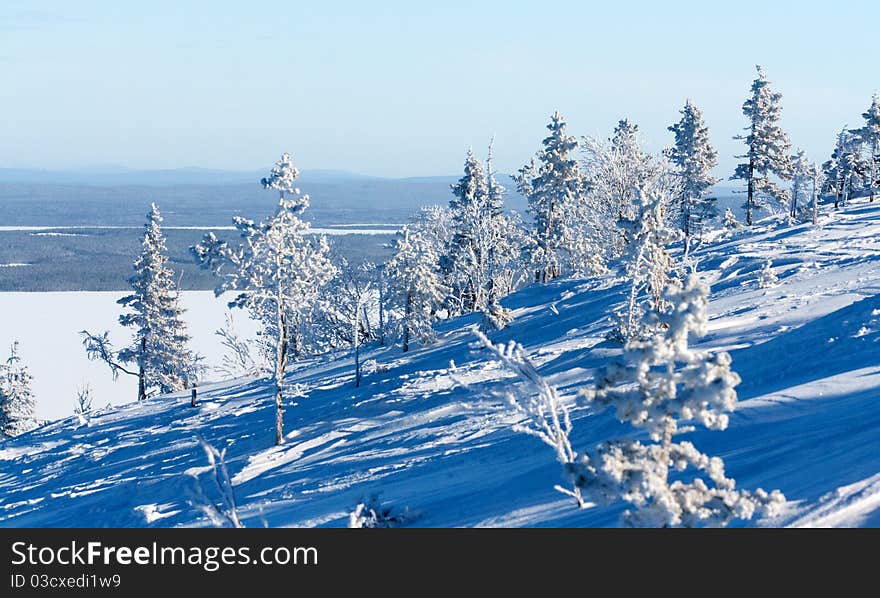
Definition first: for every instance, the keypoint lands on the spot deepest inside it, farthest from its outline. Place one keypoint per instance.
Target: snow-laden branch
(100, 348)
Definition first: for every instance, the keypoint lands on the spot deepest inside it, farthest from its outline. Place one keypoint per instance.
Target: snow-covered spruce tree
(801, 176)
(552, 186)
(504, 241)
(17, 403)
(870, 136)
(434, 226)
(847, 170)
(665, 387)
(159, 351)
(482, 254)
(545, 415)
(768, 147)
(646, 263)
(694, 158)
(817, 179)
(730, 221)
(278, 273)
(465, 261)
(417, 290)
(855, 167)
(833, 169)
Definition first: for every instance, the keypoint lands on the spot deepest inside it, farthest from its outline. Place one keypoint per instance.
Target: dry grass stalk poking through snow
(545, 416)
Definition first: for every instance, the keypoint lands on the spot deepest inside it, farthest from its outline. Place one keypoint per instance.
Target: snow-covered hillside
(427, 430)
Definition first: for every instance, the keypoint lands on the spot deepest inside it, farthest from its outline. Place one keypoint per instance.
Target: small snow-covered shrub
(495, 317)
(730, 222)
(666, 388)
(371, 367)
(83, 409)
(766, 277)
(370, 513)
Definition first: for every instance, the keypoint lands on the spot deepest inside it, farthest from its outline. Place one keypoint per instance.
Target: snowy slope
(434, 436)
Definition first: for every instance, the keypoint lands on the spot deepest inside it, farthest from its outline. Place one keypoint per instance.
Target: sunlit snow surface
(437, 439)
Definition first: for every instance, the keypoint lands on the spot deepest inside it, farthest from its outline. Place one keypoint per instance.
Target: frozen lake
(47, 326)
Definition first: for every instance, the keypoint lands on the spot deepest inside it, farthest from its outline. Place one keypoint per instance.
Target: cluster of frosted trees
(854, 166)
(620, 208)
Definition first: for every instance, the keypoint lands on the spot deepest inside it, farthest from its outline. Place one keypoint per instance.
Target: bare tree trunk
(815, 196)
(751, 192)
(382, 306)
(686, 210)
(873, 173)
(142, 382)
(406, 321)
(357, 346)
(365, 323)
(280, 366)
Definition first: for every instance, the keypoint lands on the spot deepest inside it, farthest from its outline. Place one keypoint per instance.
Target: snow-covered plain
(429, 432)
(47, 326)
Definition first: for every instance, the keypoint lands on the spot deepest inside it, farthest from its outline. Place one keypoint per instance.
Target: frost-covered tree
(847, 169)
(768, 148)
(817, 179)
(503, 237)
(833, 171)
(483, 250)
(614, 170)
(801, 176)
(282, 177)
(17, 403)
(466, 258)
(417, 289)
(730, 221)
(664, 387)
(278, 274)
(552, 185)
(870, 136)
(646, 263)
(694, 158)
(352, 301)
(159, 352)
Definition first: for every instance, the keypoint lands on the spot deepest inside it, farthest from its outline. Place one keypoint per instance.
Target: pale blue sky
(400, 90)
